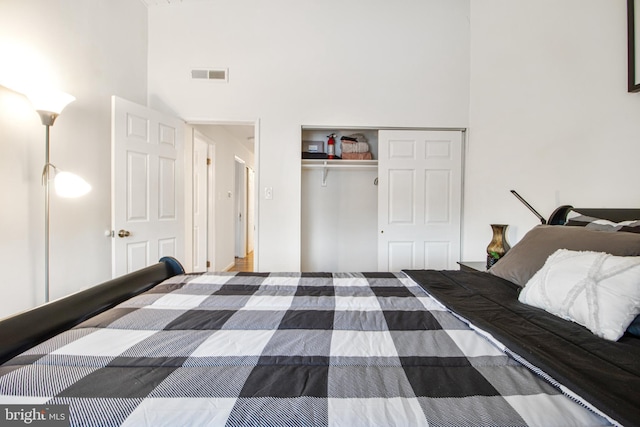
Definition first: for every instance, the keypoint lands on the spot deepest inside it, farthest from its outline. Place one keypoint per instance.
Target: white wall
(544, 99)
(90, 49)
(226, 148)
(294, 63)
(339, 221)
(550, 115)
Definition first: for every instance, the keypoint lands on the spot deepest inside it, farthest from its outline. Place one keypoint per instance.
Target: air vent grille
(215, 74)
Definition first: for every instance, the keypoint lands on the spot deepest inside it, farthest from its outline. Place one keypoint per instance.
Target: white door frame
(256, 199)
(203, 192)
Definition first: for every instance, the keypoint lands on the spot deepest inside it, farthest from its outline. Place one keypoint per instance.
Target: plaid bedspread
(284, 349)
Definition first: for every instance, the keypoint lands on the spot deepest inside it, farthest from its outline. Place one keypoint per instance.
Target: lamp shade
(51, 101)
(70, 185)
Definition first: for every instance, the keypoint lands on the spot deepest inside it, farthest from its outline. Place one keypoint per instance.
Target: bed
(412, 348)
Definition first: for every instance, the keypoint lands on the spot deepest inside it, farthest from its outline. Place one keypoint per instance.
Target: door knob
(124, 233)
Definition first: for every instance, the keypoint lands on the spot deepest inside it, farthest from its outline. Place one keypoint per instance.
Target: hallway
(243, 264)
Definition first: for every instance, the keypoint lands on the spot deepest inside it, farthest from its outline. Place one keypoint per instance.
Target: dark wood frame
(559, 216)
(632, 49)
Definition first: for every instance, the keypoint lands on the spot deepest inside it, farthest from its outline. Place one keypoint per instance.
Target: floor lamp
(49, 105)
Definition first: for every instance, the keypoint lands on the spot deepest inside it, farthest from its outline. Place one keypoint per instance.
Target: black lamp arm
(524, 202)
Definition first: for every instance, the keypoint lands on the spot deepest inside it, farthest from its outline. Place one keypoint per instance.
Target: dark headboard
(559, 216)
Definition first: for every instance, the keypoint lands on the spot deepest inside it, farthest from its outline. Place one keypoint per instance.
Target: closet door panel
(419, 199)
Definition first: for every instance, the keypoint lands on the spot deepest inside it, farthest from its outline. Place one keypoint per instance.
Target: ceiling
(167, 2)
(243, 133)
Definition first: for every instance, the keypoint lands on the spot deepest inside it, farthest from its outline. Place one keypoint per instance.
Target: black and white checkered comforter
(284, 349)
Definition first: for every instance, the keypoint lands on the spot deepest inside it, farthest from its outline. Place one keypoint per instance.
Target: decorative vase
(498, 246)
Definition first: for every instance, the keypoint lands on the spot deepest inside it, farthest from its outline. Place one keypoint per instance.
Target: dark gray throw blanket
(604, 373)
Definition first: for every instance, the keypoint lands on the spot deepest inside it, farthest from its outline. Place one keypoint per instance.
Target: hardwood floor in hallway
(243, 264)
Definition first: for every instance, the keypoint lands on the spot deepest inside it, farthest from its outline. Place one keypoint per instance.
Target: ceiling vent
(218, 74)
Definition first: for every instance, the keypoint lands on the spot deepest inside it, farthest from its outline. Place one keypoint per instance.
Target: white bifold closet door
(419, 199)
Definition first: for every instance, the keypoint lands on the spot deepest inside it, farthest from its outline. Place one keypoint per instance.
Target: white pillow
(595, 289)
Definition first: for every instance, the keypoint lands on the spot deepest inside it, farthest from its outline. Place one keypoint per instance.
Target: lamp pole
(46, 214)
(72, 186)
(47, 119)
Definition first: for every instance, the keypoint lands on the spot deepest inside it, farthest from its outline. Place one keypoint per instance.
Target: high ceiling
(167, 2)
(243, 133)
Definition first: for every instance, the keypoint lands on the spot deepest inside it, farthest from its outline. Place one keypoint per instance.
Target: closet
(401, 209)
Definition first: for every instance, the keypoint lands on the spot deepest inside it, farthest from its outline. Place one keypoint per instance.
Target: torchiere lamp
(49, 105)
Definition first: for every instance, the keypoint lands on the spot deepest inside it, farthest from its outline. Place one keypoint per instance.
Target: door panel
(147, 174)
(137, 184)
(137, 254)
(240, 208)
(401, 255)
(167, 135)
(250, 209)
(437, 255)
(401, 199)
(167, 189)
(419, 199)
(437, 196)
(167, 247)
(200, 204)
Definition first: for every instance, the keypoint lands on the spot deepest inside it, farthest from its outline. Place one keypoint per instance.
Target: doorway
(245, 215)
(228, 234)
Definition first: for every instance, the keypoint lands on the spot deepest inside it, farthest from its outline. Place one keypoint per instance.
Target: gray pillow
(529, 254)
(603, 225)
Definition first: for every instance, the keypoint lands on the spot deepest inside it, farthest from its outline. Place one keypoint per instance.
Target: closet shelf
(349, 164)
(325, 165)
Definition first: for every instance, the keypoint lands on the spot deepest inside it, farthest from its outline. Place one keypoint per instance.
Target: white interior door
(419, 199)
(241, 208)
(147, 186)
(251, 179)
(200, 204)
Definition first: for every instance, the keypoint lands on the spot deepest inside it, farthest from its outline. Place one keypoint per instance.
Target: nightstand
(473, 265)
